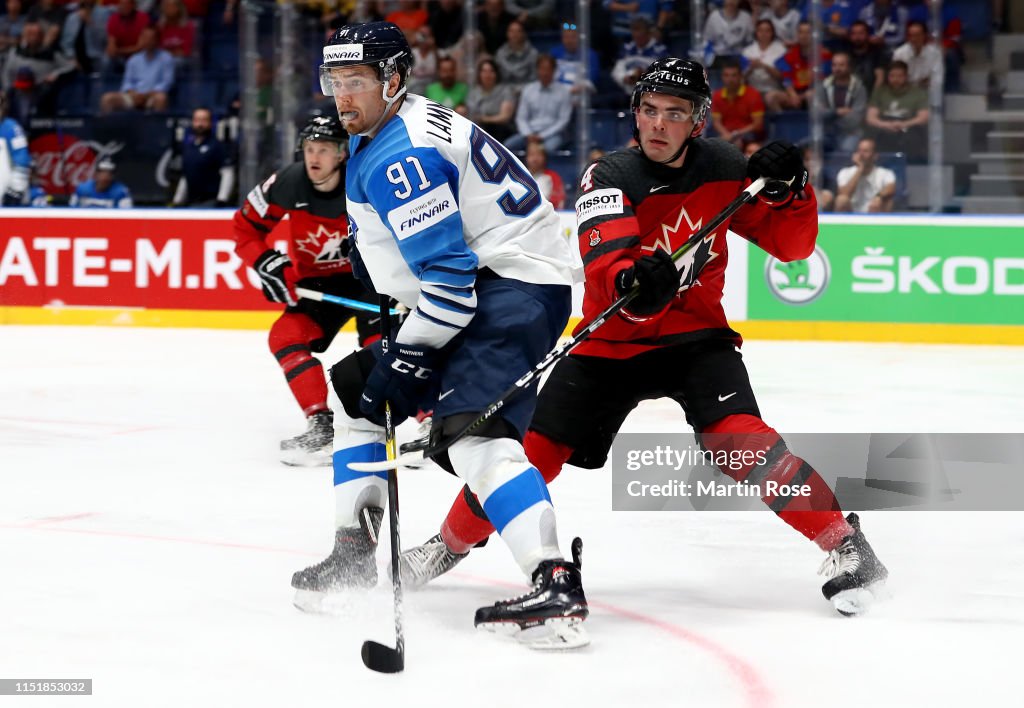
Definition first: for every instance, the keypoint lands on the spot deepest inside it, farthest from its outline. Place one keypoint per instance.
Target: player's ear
(394, 83)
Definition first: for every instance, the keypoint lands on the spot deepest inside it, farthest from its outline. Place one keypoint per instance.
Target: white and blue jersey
(116, 196)
(14, 160)
(433, 201)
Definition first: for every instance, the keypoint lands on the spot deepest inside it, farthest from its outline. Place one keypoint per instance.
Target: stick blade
(382, 659)
(406, 459)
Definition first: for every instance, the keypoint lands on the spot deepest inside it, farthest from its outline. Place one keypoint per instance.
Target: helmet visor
(333, 82)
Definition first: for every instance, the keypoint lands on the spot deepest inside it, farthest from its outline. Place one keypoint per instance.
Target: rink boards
(889, 278)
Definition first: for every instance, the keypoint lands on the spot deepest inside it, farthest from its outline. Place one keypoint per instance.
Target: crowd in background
(878, 61)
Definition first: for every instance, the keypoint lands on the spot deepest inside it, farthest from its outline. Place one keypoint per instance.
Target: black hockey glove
(779, 162)
(276, 273)
(13, 198)
(401, 377)
(658, 282)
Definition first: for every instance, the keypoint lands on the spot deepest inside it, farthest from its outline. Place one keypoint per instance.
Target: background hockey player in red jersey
(636, 207)
(312, 193)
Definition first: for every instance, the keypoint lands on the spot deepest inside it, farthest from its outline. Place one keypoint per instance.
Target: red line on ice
(754, 688)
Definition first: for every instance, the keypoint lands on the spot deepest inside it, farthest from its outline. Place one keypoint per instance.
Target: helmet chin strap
(388, 103)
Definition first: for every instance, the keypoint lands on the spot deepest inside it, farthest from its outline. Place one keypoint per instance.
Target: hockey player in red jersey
(635, 208)
(311, 192)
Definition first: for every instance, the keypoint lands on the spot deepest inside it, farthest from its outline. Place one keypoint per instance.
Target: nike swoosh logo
(655, 189)
(299, 205)
(726, 398)
(445, 394)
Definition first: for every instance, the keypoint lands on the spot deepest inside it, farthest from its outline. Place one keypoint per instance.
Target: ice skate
(314, 447)
(856, 576)
(352, 563)
(423, 563)
(550, 616)
(421, 441)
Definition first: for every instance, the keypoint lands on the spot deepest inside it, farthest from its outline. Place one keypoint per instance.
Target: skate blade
(310, 601)
(557, 633)
(298, 458)
(857, 601)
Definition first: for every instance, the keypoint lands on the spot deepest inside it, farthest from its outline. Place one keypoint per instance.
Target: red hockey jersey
(318, 222)
(630, 206)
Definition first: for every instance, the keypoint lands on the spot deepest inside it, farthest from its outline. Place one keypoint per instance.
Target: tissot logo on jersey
(424, 211)
(600, 202)
(348, 52)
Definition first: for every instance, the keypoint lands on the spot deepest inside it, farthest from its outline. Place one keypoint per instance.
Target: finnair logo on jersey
(600, 202)
(423, 212)
(344, 52)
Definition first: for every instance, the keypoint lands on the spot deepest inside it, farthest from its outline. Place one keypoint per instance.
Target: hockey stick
(417, 455)
(377, 656)
(338, 300)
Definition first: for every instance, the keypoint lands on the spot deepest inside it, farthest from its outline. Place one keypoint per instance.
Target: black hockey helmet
(323, 127)
(378, 44)
(676, 77)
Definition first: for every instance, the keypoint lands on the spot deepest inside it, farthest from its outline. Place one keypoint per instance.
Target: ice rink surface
(148, 535)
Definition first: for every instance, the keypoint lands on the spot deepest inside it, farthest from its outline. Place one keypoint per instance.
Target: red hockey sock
(289, 342)
(467, 525)
(817, 516)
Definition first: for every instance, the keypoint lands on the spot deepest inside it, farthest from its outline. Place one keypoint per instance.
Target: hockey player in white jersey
(447, 221)
(14, 160)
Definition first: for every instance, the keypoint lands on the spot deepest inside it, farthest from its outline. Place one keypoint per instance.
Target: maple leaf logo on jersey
(692, 262)
(595, 237)
(324, 245)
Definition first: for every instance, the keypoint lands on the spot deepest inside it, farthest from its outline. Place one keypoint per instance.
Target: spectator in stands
(148, 78)
(569, 61)
(14, 159)
(50, 17)
(798, 73)
(490, 103)
(783, 18)
(898, 114)
(492, 20)
(637, 54)
(447, 90)
(446, 21)
(761, 59)
(844, 100)
(177, 31)
(409, 16)
(659, 14)
(924, 60)
(207, 172)
(550, 183)
(836, 18)
(823, 188)
(102, 190)
(124, 33)
(34, 72)
(467, 52)
(544, 111)
(888, 22)
(727, 31)
(424, 67)
(11, 25)
(534, 14)
(517, 58)
(84, 36)
(868, 60)
(737, 110)
(864, 187)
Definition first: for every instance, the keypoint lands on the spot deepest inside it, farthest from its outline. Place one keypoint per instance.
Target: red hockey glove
(657, 280)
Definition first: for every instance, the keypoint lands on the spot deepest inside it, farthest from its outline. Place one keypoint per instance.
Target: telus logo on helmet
(347, 52)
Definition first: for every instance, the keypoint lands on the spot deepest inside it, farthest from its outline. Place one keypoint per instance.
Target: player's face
(357, 95)
(322, 158)
(104, 179)
(664, 122)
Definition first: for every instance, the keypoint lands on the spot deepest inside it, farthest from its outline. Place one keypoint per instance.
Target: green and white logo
(798, 282)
